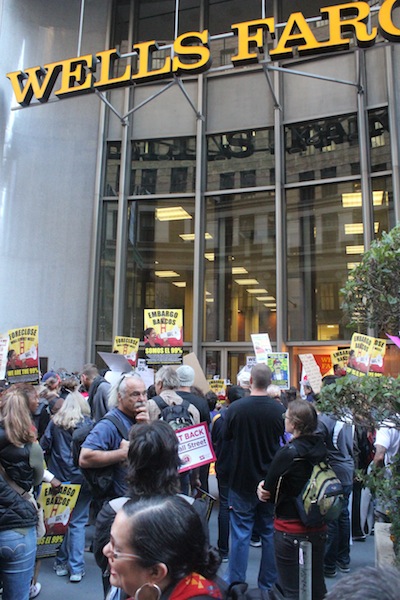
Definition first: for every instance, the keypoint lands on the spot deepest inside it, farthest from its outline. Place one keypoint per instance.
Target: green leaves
(371, 295)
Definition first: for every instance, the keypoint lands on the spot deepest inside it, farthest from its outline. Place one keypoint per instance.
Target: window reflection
(240, 287)
(107, 271)
(159, 270)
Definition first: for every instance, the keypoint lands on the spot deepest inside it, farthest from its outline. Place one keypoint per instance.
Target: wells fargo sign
(191, 52)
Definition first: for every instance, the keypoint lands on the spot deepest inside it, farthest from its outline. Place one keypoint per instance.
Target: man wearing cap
(254, 424)
(186, 379)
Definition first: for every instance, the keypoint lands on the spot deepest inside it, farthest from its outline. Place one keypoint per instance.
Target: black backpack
(99, 479)
(176, 415)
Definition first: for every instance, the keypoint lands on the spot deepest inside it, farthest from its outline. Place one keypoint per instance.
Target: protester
(288, 473)
(56, 443)
(21, 468)
(158, 549)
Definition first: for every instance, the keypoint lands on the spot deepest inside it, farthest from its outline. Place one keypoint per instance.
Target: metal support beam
(270, 67)
(394, 130)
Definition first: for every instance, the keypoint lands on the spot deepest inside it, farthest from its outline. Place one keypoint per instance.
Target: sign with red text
(128, 347)
(57, 511)
(23, 355)
(195, 447)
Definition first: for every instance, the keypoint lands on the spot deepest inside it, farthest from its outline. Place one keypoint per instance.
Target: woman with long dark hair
(158, 550)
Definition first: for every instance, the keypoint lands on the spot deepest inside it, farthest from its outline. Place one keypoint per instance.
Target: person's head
(300, 418)
(243, 379)
(372, 583)
(212, 400)
(338, 371)
(166, 379)
(277, 364)
(150, 336)
(157, 542)
(11, 359)
(151, 391)
(274, 391)
(128, 394)
(15, 415)
(88, 374)
(185, 375)
(291, 394)
(30, 392)
(260, 377)
(72, 410)
(235, 392)
(153, 460)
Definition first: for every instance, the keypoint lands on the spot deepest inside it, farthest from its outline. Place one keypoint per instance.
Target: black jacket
(15, 511)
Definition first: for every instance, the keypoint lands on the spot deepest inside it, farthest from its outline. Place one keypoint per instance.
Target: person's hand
(55, 485)
(142, 414)
(124, 447)
(263, 495)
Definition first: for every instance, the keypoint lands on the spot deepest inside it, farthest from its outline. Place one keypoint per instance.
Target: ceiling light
(189, 237)
(358, 228)
(166, 274)
(354, 199)
(265, 298)
(210, 256)
(239, 271)
(180, 284)
(257, 291)
(352, 266)
(172, 213)
(209, 299)
(247, 282)
(355, 249)
(270, 305)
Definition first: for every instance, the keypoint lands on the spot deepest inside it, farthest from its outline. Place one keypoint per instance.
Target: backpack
(321, 498)
(176, 415)
(100, 479)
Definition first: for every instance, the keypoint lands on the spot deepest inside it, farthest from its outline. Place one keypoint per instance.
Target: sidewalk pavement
(90, 588)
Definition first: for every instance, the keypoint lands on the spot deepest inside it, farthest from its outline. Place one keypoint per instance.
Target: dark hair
(261, 376)
(151, 391)
(153, 460)
(212, 400)
(303, 416)
(169, 530)
(235, 392)
(370, 582)
(147, 331)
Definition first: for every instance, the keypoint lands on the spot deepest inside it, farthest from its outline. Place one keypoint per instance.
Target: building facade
(242, 192)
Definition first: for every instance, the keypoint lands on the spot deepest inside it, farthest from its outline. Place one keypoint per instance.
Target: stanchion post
(305, 567)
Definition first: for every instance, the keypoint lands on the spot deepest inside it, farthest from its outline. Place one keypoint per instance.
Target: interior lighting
(247, 282)
(355, 249)
(166, 274)
(210, 256)
(357, 228)
(189, 237)
(239, 271)
(257, 291)
(209, 299)
(172, 213)
(352, 266)
(180, 284)
(354, 199)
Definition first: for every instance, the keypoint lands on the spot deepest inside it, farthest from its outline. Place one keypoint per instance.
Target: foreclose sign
(191, 53)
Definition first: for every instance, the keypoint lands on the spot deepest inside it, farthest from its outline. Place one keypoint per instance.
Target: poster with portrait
(341, 358)
(128, 347)
(23, 355)
(278, 362)
(57, 511)
(4, 340)
(377, 362)
(163, 336)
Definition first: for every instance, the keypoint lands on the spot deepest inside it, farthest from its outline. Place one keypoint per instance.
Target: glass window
(382, 194)
(318, 149)
(107, 271)
(163, 166)
(378, 123)
(159, 271)
(113, 165)
(240, 159)
(324, 241)
(240, 283)
(156, 20)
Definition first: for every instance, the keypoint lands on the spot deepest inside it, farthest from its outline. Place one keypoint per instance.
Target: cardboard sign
(195, 447)
(57, 509)
(312, 371)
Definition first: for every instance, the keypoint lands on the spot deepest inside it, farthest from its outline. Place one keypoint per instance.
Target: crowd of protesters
(259, 433)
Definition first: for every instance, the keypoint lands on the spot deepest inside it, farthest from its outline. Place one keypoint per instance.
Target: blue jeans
(72, 550)
(223, 519)
(245, 512)
(17, 562)
(338, 543)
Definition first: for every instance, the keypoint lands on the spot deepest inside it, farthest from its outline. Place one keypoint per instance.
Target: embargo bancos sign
(191, 53)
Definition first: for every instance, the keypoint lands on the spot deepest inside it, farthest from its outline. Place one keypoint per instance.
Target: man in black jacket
(98, 389)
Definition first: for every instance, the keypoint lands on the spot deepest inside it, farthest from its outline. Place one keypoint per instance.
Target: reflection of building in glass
(243, 195)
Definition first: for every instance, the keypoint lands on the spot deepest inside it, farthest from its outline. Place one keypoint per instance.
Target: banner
(195, 447)
(366, 356)
(4, 340)
(324, 362)
(278, 362)
(23, 355)
(57, 509)
(312, 371)
(262, 346)
(128, 347)
(163, 336)
(341, 358)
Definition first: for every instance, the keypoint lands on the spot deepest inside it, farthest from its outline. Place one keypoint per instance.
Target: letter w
(35, 81)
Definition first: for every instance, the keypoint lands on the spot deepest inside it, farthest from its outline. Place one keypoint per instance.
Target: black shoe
(330, 571)
(343, 568)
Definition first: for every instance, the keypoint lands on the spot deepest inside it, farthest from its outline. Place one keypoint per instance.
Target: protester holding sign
(56, 443)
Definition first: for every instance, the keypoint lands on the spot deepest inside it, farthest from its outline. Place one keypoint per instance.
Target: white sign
(262, 346)
(312, 371)
(195, 448)
(4, 339)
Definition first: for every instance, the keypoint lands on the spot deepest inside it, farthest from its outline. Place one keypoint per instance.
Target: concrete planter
(384, 551)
